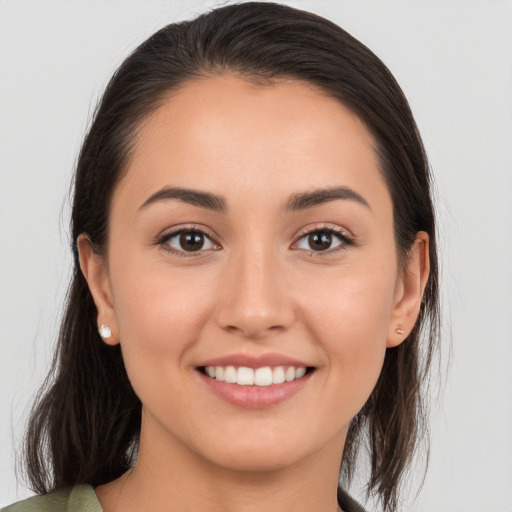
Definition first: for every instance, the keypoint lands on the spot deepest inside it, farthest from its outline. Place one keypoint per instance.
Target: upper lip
(252, 361)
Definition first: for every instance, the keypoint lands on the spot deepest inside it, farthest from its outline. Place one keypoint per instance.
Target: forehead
(224, 132)
(239, 106)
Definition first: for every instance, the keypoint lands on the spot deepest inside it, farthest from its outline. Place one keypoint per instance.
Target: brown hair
(85, 424)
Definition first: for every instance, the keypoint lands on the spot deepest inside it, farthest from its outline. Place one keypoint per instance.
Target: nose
(254, 302)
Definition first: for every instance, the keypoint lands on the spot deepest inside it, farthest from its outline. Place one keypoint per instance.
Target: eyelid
(167, 234)
(343, 234)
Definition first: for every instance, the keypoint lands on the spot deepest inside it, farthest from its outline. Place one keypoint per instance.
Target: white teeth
(300, 372)
(278, 375)
(245, 376)
(290, 374)
(230, 374)
(265, 376)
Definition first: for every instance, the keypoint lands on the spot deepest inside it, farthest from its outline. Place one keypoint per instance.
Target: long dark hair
(85, 424)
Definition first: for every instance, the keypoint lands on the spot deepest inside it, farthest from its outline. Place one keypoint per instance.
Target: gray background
(454, 62)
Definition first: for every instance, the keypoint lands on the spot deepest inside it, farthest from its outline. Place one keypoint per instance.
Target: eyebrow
(299, 201)
(194, 197)
(306, 200)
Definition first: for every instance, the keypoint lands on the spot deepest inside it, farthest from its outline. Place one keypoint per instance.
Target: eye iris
(320, 241)
(191, 241)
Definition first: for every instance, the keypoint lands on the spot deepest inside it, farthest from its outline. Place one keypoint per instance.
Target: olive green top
(82, 498)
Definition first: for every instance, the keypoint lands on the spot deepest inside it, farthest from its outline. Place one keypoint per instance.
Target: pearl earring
(105, 331)
(399, 331)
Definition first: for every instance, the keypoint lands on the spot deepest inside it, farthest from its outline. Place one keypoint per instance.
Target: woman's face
(253, 230)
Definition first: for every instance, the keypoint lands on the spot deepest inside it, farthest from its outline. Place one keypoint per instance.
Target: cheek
(160, 313)
(351, 303)
(349, 318)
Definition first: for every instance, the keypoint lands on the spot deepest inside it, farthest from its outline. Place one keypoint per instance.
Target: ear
(409, 291)
(95, 272)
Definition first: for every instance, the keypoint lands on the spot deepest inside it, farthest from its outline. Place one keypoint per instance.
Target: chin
(256, 460)
(259, 453)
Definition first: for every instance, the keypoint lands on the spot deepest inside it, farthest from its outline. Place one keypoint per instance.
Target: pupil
(320, 241)
(191, 241)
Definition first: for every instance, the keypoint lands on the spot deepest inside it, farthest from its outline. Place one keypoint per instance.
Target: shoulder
(347, 503)
(80, 498)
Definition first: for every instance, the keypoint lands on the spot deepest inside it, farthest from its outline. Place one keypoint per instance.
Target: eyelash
(341, 235)
(344, 239)
(163, 241)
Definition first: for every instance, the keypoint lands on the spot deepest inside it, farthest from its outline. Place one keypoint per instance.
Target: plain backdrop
(453, 58)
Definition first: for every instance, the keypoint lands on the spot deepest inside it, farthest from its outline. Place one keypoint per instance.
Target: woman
(254, 242)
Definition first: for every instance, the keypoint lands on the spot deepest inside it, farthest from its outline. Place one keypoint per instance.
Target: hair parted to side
(85, 424)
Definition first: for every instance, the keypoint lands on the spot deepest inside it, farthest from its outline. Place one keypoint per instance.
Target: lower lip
(255, 397)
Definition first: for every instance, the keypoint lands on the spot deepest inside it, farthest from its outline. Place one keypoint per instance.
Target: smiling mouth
(260, 377)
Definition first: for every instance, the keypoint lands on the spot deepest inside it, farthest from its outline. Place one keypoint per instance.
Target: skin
(257, 288)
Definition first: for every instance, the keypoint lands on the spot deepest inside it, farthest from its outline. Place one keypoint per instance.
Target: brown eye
(191, 241)
(187, 241)
(320, 241)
